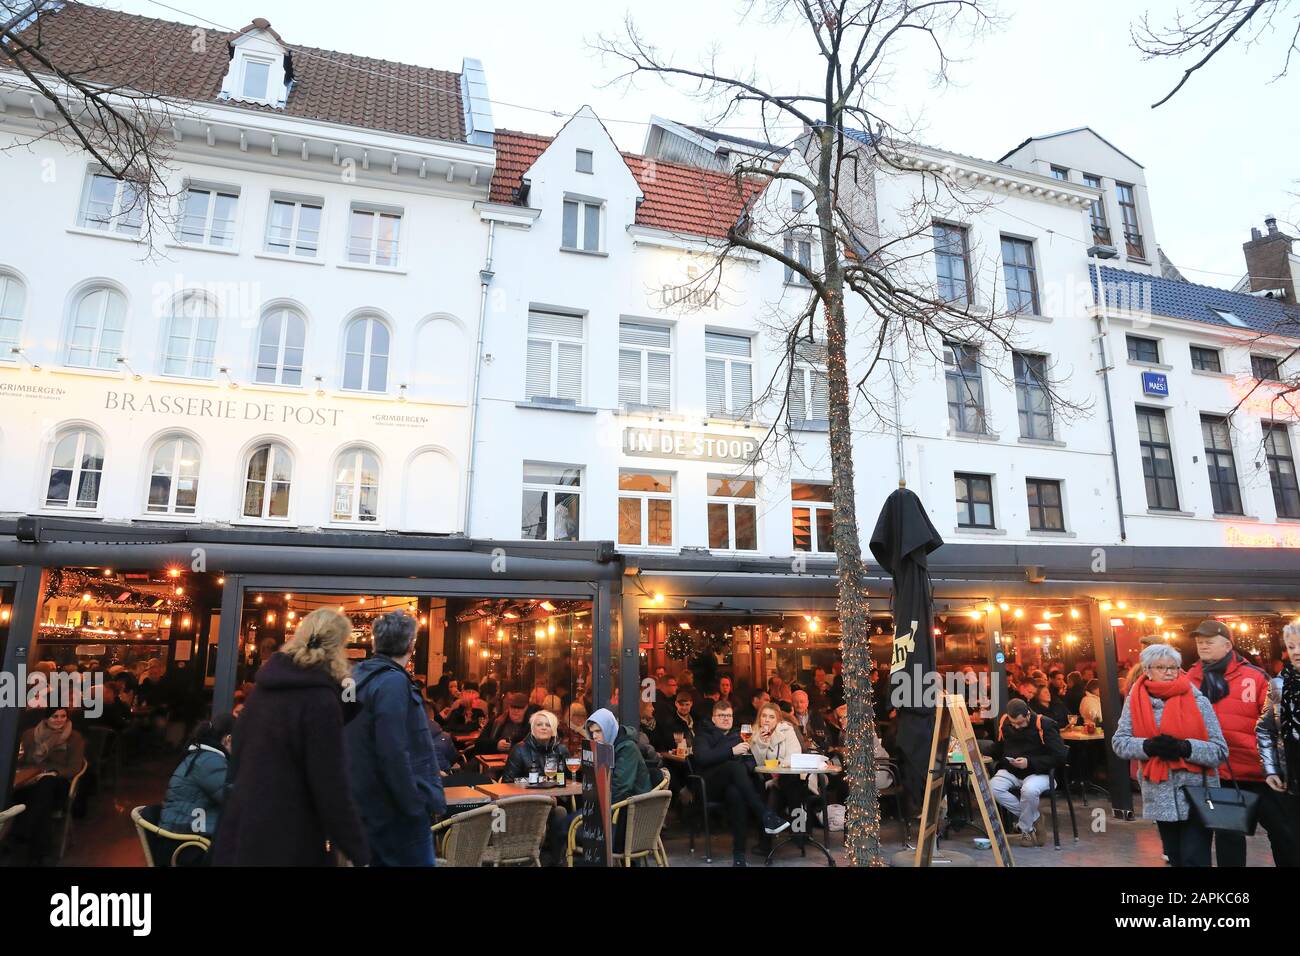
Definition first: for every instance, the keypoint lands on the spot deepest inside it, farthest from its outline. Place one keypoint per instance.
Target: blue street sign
(1155, 383)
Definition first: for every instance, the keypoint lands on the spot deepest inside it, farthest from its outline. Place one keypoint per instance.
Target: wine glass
(573, 763)
(1073, 719)
(746, 731)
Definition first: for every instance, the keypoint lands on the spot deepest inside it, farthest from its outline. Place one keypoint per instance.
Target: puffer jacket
(530, 754)
(1238, 713)
(199, 782)
(783, 742)
(1268, 737)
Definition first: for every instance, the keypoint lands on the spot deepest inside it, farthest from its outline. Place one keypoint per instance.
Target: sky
(1219, 157)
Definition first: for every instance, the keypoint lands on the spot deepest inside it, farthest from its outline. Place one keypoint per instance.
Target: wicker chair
(520, 840)
(7, 818)
(64, 814)
(645, 823)
(662, 784)
(157, 842)
(463, 839)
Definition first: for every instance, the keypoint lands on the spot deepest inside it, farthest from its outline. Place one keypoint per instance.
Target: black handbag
(1223, 809)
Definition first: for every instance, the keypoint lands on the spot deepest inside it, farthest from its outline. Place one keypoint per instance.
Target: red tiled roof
(678, 198)
(156, 57)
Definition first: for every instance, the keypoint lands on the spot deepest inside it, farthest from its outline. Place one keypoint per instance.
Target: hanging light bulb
(470, 642)
(539, 633)
(1141, 615)
(1106, 605)
(1121, 604)
(258, 599)
(658, 598)
(108, 572)
(1005, 606)
(990, 607)
(291, 615)
(1158, 621)
(1019, 613)
(813, 625)
(1074, 613)
(173, 573)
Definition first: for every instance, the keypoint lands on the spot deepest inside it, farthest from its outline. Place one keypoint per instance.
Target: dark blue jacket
(394, 770)
(198, 783)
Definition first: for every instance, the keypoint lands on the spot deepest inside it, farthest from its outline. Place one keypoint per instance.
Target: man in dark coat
(507, 730)
(395, 778)
(289, 770)
(810, 724)
(1029, 747)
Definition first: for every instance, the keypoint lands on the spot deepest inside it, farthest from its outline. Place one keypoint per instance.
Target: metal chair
(160, 844)
(520, 839)
(643, 834)
(7, 818)
(701, 792)
(1069, 802)
(463, 839)
(65, 814)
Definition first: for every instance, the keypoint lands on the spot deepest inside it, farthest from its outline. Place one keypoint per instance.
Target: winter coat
(394, 771)
(1268, 736)
(65, 759)
(443, 746)
(530, 754)
(783, 743)
(712, 746)
(290, 792)
(199, 782)
(815, 737)
(1238, 713)
(630, 777)
(1165, 801)
(498, 730)
(1090, 708)
(1039, 742)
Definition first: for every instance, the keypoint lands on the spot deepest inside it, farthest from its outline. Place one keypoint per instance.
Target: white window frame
(295, 243)
(173, 475)
(812, 507)
(359, 453)
(82, 433)
(213, 191)
(729, 363)
(190, 356)
(275, 449)
(580, 232)
(644, 497)
(8, 283)
(376, 213)
(367, 354)
(591, 161)
(793, 241)
(643, 358)
(119, 218)
(245, 60)
(553, 340)
(549, 491)
(731, 504)
(287, 313)
(803, 376)
(96, 359)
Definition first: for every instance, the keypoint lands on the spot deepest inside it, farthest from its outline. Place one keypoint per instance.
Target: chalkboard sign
(595, 836)
(954, 722)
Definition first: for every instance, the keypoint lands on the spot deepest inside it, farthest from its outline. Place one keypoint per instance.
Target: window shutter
(538, 384)
(629, 377)
(742, 394)
(715, 386)
(798, 407)
(820, 396)
(569, 384)
(552, 323)
(659, 379)
(721, 344)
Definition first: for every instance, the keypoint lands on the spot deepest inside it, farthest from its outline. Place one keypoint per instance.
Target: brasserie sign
(691, 446)
(186, 406)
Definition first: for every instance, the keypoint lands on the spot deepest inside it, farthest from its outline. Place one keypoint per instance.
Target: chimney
(1268, 260)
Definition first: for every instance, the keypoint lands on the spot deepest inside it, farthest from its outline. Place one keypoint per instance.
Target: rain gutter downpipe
(485, 276)
(1099, 298)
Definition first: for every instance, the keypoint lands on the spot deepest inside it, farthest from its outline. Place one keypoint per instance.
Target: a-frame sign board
(952, 720)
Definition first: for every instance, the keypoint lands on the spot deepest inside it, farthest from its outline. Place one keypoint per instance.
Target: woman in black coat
(290, 791)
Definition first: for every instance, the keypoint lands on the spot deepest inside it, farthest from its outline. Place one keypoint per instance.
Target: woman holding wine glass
(540, 751)
(772, 743)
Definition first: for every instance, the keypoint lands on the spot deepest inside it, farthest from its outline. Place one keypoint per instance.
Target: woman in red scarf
(1170, 727)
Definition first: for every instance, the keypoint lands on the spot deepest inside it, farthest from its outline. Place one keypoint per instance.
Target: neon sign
(1235, 537)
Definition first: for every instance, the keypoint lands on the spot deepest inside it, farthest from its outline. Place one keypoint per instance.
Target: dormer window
(257, 73)
(584, 162)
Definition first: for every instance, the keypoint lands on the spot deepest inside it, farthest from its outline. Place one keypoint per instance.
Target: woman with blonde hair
(540, 751)
(290, 795)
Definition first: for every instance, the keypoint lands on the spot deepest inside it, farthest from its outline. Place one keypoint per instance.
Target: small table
(465, 797)
(497, 791)
(675, 757)
(491, 762)
(801, 839)
(1078, 738)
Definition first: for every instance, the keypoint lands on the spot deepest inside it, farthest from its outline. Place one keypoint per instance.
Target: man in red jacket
(1237, 690)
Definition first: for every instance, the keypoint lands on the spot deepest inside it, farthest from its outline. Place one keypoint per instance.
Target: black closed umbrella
(901, 544)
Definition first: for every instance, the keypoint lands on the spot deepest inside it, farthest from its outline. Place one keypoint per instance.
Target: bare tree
(103, 107)
(1211, 25)
(844, 143)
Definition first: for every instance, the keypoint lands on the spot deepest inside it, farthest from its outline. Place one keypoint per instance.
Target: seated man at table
(539, 752)
(466, 714)
(681, 721)
(507, 730)
(719, 759)
(1028, 748)
(810, 725)
(748, 715)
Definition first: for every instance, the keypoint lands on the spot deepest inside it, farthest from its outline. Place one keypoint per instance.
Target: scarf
(1214, 682)
(45, 739)
(1180, 718)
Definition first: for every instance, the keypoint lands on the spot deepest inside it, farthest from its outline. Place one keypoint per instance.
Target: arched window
(98, 327)
(365, 364)
(191, 337)
(75, 470)
(13, 300)
(266, 482)
(174, 477)
(356, 486)
(280, 345)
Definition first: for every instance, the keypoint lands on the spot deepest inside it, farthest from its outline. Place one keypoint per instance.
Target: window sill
(1035, 533)
(811, 425)
(103, 234)
(1162, 513)
(647, 411)
(1160, 365)
(585, 252)
(1032, 317)
(1043, 442)
(366, 267)
(90, 370)
(358, 525)
(1282, 520)
(996, 532)
(94, 514)
(1208, 374)
(1221, 516)
(1140, 261)
(154, 519)
(973, 436)
(648, 548)
(548, 407)
(726, 420)
(262, 523)
(202, 247)
(279, 257)
(185, 379)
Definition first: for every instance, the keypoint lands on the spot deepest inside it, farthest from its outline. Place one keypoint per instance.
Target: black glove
(1163, 746)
